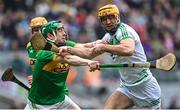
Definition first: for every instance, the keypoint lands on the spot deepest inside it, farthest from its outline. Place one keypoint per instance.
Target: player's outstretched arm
(78, 61)
(83, 52)
(86, 50)
(91, 44)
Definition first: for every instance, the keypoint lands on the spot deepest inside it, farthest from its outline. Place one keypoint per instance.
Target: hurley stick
(165, 63)
(8, 75)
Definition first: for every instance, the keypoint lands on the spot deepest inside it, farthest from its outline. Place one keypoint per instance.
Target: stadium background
(156, 21)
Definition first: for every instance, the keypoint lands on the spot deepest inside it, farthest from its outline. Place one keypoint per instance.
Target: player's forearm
(81, 52)
(88, 53)
(122, 50)
(92, 44)
(75, 60)
(88, 45)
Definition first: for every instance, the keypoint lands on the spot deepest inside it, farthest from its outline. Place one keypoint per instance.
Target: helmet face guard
(36, 29)
(109, 10)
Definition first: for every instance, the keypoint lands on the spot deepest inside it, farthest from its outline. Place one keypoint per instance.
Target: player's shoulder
(71, 43)
(126, 27)
(44, 53)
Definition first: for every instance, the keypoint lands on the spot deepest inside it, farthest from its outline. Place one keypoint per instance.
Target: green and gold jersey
(49, 78)
(31, 53)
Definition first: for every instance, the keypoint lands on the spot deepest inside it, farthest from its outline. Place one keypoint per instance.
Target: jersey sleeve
(45, 56)
(125, 33)
(71, 43)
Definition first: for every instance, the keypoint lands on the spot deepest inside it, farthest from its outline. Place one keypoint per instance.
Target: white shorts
(66, 104)
(145, 95)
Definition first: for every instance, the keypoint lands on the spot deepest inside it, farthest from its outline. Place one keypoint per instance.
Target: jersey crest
(56, 67)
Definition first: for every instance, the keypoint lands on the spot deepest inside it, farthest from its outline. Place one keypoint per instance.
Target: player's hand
(30, 79)
(62, 50)
(99, 47)
(94, 65)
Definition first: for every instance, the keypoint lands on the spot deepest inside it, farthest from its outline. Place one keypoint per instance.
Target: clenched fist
(94, 65)
(62, 51)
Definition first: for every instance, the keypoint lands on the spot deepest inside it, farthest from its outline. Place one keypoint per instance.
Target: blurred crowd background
(156, 21)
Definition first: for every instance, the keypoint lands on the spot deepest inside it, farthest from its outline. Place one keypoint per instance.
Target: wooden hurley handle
(165, 63)
(139, 65)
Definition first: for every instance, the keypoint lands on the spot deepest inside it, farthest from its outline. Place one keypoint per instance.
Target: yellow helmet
(38, 21)
(108, 10)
